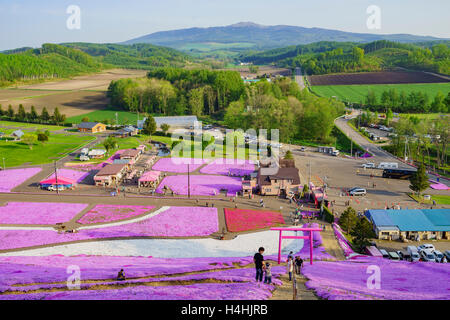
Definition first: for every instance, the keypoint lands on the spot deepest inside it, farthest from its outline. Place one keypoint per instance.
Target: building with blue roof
(423, 224)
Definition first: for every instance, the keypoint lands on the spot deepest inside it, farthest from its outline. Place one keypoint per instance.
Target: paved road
(380, 155)
(299, 78)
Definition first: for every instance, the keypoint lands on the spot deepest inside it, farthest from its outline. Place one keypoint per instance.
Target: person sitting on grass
(121, 275)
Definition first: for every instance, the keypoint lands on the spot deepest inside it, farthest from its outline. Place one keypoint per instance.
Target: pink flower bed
(39, 212)
(239, 168)
(75, 175)
(244, 220)
(178, 165)
(400, 280)
(108, 213)
(201, 185)
(344, 244)
(9, 179)
(175, 222)
(51, 273)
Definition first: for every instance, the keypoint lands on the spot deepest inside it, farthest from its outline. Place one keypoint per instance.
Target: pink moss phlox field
(22, 274)
(344, 244)
(319, 252)
(10, 179)
(239, 168)
(178, 165)
(77, 176)
(108, 213)
(43, 213)
(400, 280)
(175, 222)
(244, 220)
(201, 185)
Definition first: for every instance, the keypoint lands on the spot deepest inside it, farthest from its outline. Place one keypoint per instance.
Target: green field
(26, 125)
(124, 117)
(59, 145)
(358, 93)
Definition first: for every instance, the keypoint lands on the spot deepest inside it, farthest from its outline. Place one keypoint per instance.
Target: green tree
(58, 117)
(253, 69)
(110, 143)
(165, 127)
(288, 155)
(149, 127)
(10, 113)
(419, 181)
(29, 139)
(45, 116)
(42, 137)
(21, 114)
(371, 98)
(196, 101)
(33, 114)
(361, 234)
(85, 119)
(389, 116)
(348, 219)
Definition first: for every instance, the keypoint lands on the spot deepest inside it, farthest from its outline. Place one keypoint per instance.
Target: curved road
(380, 155)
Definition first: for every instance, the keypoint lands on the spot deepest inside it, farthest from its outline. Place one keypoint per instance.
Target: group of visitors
(293, 265)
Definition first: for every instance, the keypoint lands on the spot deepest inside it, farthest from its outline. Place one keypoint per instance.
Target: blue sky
(31, 23)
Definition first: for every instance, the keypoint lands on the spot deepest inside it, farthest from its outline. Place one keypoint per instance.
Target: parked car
(438, 256)
(426, 246)
(384, 253)
(369, 165)
(401, 255)
(335, 153)
(414, 253)
(53, 188)
(302, 149)
(394, 256)
(427, 256)
(357, 191)
(84, 158)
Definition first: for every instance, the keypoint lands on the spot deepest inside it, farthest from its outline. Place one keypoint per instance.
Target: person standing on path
(268, 273)
(258, 260)
(290, 267)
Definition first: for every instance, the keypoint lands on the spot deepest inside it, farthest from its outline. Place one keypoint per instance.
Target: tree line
(414, 102)
(32, 116)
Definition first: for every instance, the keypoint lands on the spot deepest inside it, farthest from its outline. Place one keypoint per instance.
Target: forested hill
(49, 62)
(337, 57)
(71, 59)
(137, 56)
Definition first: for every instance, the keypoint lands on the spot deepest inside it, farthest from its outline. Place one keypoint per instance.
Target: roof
(130, 153)
(171, 121)
(282, 174)
(150, 176)
(111, 169)
(61, 181)
(121, 161)
(411, 220)
(18, 133)
(97, 152)
(88, 125)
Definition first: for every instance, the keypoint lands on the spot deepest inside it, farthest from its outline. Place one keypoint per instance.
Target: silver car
(357, 192)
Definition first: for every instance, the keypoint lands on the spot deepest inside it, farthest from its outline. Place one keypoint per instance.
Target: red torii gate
(310, 237)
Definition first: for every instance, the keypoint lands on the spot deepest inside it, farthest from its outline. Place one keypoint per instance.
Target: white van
(388, 165)
(414, 253)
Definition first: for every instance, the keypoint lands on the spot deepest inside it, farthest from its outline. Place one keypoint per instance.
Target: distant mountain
(263, 37)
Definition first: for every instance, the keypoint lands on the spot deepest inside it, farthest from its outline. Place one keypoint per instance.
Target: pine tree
(419, 181)
(45, 116)
(348, 219)
(149, 126)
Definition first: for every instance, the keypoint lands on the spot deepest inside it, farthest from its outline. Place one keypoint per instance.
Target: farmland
(376, 78)
(123, 117)
(18, 153)
(358, 93)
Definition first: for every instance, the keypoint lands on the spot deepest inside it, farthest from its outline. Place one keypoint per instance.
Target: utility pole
(56, 177)
(189, 183)
(309, 165)
(351, 148)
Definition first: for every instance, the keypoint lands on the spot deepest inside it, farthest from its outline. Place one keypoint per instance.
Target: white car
(426, 246)
(369, 165)
(438, 256)
(427, 256)
(84, 158)
(357, 192)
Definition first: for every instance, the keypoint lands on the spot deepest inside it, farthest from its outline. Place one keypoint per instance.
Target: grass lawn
(124, 117)
(35, 126)
(358, 93)
(440, 199)
(428, 116)
(59, 145)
